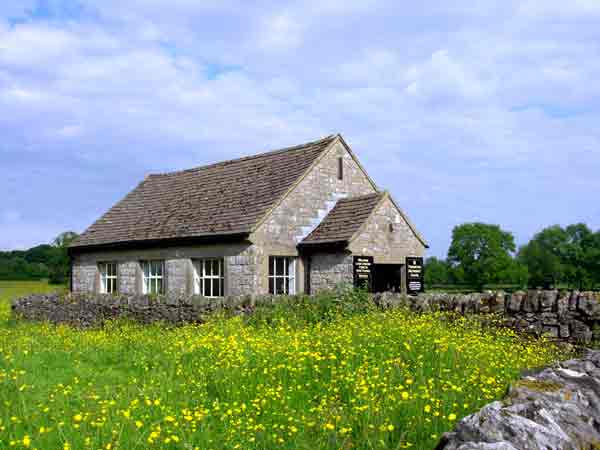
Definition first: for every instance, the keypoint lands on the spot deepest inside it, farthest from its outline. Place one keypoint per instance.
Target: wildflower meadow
(359, 380)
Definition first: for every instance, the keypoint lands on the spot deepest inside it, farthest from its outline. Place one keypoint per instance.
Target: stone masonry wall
(243, 272)
(240, 268)
(127, 277)
(303, 209)
(570, 316)
(328, 270)
(387, 247)
(84, 275)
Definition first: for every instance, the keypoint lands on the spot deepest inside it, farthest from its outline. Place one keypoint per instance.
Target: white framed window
(108, 277)
(153, 277)
(282, 275)
(209, 278)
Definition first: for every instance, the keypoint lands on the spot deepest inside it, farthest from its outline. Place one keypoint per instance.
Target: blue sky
(465, 113)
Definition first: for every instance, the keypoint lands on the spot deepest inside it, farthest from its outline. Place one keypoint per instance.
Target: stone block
(589, 304)
(515, 302)
(531, 302)
(548, 300)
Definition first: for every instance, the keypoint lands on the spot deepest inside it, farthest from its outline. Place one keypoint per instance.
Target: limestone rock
(555, 409)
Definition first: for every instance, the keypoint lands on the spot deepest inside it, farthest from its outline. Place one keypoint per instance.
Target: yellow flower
(26, 441)
(452, 416)
(139, 424)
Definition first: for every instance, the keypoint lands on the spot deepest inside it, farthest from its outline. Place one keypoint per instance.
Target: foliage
(436, 271)
(303, 310)
(357, 378)
(483, 253)
(563, 256)
(40, 262)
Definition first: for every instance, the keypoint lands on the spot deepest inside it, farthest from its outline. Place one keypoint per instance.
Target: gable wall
(387, 247)
(304, 208)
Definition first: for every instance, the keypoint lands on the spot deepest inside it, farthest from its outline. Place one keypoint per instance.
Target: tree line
(46, 261)
(482, 254)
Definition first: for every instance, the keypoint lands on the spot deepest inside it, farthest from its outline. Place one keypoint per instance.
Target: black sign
(414, 275)
(363, 271)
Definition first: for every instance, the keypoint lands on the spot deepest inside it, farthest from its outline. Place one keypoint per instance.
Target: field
(374, 380)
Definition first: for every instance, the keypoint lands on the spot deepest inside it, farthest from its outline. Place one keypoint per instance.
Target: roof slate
(345, 219)
(223, 198)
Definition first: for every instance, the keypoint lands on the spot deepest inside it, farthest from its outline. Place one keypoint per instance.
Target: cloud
(489, 108)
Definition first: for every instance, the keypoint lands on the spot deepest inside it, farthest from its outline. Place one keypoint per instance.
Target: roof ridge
(247, 158)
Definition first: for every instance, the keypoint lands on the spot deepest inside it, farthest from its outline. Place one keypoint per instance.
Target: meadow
(281, 379)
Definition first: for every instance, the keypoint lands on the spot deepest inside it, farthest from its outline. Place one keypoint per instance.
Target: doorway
(387, 278)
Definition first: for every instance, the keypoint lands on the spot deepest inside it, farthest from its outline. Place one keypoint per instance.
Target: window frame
(109, 280)
(150, 280)
(340, 168)
(201, 277)
(287, 275)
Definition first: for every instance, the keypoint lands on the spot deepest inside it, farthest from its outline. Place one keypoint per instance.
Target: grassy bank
(380, 380)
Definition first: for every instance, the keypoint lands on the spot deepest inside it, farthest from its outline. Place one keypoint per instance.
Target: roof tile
(222, 198)
(344, 220)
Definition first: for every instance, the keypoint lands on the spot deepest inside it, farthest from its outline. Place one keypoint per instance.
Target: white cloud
(280, 32)
(454, 95)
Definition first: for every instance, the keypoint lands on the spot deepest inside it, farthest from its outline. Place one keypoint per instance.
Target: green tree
(436, 271)
(59, 265)
(576, 255)
(63, 240)
(481, 252)
(544, 257)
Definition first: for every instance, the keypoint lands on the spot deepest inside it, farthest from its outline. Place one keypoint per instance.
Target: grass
(368, 380)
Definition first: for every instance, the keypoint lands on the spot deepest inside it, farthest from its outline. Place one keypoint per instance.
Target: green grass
(10, 290)
(368, 380)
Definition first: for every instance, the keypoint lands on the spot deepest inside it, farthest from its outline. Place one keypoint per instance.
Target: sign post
(363, 272)
(414, 275)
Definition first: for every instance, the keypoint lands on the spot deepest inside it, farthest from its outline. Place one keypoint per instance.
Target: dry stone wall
(568, 316)
(84, 310)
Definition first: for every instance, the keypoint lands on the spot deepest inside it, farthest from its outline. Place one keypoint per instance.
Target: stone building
(287, 221)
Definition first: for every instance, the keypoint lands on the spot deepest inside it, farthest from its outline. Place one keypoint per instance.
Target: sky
(465, 111)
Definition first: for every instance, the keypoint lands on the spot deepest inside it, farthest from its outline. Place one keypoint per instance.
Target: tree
(544, 257)
(59, 265)
(436, 271)
(63, 240)
(576, 255)
(481, 252)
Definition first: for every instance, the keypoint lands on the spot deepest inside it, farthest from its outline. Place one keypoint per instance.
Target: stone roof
(345, 219)
(226, 198)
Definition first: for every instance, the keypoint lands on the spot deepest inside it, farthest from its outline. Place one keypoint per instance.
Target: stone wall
(385, 245)
(570, 316)
(85, 310)
(329, 270)
(241, 271)
(555, 409)
(310, 201)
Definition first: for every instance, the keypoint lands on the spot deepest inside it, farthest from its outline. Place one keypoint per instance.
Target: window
(282, 275)
(209, 280)
(340, 168)
(153, 277)
(108, 277)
